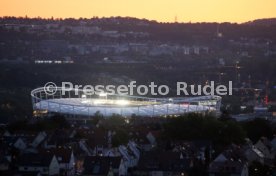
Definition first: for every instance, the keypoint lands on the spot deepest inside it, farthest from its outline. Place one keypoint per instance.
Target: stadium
(75, 103)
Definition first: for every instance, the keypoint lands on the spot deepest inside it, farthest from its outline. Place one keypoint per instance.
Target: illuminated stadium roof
(71, 104)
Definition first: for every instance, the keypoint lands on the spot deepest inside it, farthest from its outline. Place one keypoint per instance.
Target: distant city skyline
(159, 10)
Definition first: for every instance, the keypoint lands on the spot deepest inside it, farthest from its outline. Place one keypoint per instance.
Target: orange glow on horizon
(160, 10)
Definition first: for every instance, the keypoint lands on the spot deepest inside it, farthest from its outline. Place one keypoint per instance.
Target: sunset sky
(160, 10)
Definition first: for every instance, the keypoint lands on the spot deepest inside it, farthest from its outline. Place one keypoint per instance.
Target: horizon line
(152, 20)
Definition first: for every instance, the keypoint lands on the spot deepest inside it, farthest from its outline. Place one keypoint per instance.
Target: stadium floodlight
(83, 96)
(102, 94)
(122, 102)
(97, 102)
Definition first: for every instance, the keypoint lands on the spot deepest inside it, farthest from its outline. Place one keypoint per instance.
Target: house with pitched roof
(157, 163)
(44, 164)
(229, 162)
(66, 159)
(103, 166)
